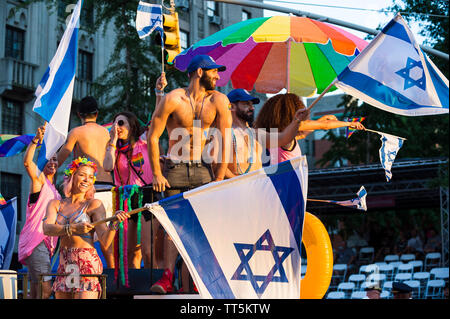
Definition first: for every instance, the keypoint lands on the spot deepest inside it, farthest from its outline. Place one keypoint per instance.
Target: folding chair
(346, 287)
(303, 270)
(407, 257)
(388, 270)
(358, 295)
(376, 278)
(385, 294)
(366, 255)
(387, 286)
(395, 264)
(391, 258)
(432, 260)
(417, 265)
(422, 277)
(336, 295)
(404, 268)
(403, 277)
(339, 274)
(439, 273)
(415, 285)
(357, 279)
(435, 289)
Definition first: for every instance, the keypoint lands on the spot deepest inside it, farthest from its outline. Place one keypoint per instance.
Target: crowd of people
(132, 155)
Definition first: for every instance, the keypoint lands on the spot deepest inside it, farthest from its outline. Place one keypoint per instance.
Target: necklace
(250, 159)
(192, 106)
(89, 122)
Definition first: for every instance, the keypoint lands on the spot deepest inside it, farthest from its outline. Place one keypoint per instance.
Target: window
(85, 65)
(14, 43)
(212, 8)
(65, 8)
(184, 40)
(12, 114)
(245, 15)
(10, 187)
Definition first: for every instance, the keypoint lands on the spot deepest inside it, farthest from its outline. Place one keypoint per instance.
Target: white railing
(17, 73)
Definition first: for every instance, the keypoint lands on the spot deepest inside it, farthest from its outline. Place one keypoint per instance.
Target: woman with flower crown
(71, 219)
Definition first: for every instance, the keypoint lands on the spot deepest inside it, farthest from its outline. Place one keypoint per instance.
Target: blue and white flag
(241, 238)
(390, 145)
(149, 18)
(8, 223)
(393, 74)
(54, 93)
(358, 203)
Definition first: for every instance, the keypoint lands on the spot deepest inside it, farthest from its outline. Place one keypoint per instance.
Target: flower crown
(76, 163)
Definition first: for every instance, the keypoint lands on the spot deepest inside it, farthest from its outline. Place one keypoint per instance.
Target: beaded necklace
(250, 159)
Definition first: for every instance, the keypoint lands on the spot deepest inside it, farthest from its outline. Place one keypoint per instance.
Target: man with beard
(246, 149)
(187, 114)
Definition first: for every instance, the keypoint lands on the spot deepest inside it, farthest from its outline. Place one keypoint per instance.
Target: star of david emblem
(391, 156)
(244, 271)
(155, 20)
(415, 80)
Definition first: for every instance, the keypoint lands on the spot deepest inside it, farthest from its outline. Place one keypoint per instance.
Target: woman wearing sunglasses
(127, 156)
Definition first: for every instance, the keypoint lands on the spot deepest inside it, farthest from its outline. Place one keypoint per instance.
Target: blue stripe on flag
(42, 158)
(397, 30)
(150, 9)
(378, 91)
(289, 190)
(64, 76)
(187, 225)
(439, 85)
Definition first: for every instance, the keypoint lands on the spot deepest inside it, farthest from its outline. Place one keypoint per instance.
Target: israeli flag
(390, 145)
(148, 18)
(8, 223)
(241, 238)
(358, 203)
(393, 74)
(54, 93)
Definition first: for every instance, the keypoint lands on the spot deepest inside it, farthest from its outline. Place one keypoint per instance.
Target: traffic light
(171, 28)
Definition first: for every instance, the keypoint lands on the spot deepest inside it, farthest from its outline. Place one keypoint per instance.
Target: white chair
(439, 273)
(417, 265)
(432, 260)
(415, 285)
(395, 264)
(422, 277)
(358, 295)
(404, 268)
(380, 263)
(385, 294)
(339, 274)
(336, 295)
(303, 270)
(407, 257)
(362, 269)
(346, 287)
(435, 289)
(388, 270)
(376, 278)
(387, 286)
(366, 255)
(370, 269)
(391, 258)
(304, 261)
(357, 279)
(403, 277)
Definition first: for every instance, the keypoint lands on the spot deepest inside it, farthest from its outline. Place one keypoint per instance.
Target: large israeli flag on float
(54, 93)
(8, 223)
(241, 238)
(148, 18)
(393, 74)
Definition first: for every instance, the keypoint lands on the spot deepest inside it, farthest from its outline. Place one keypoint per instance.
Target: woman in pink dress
(127, 156)
(35, 249)
(72, 220)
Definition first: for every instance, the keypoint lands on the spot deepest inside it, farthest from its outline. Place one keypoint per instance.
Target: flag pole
(322, 94)
(162, 40)
(373, 131)
(113, 218)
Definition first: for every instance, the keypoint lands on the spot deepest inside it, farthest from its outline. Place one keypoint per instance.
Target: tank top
(32, 233)
(278, 155)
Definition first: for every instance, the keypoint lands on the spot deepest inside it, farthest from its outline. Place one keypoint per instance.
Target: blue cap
(204, 61)
(241, 95)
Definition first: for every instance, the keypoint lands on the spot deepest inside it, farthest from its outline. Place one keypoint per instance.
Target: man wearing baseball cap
(186, 111)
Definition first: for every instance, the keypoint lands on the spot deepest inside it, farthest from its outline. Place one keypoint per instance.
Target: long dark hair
(135, 128)
(278, 111)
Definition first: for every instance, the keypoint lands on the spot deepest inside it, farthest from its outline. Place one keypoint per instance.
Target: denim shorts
(184, 176)
(39, 263)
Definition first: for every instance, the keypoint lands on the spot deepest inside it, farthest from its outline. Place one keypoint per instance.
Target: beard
(207, 82)
(246, 116)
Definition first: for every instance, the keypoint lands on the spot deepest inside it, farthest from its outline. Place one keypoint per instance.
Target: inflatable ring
(319, 253)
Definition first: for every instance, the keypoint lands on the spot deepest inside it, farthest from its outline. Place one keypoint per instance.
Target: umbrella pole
(322, 94)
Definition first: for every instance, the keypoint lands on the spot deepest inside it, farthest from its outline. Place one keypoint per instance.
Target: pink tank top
(141, 164)
(32, 233)
(278, 155)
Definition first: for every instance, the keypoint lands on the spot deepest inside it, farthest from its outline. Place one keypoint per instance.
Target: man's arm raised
(157, 126)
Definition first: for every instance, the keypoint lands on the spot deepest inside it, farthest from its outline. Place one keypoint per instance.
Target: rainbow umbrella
(271, 53)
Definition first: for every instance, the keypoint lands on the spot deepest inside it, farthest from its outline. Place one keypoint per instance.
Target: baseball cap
(204, 61)
(241, 95)
(400, 287)
(88, 105)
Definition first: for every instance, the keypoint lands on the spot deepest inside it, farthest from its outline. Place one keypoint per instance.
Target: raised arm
(30, 166)
(328, 125)
(110, 154)
(161, 83)
(157, 126)
(67, 148)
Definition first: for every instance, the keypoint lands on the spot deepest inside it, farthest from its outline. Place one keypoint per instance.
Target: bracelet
(32, 141)
(159, 92)
(67, 230)
(113, 146)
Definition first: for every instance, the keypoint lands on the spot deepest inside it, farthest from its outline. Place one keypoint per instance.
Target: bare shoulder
(219, 99)
(94, 204)
(54, 203)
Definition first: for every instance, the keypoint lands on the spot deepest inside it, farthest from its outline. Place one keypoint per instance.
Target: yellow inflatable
(319, 253)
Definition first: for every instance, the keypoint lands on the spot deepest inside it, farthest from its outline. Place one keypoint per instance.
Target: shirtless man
(90, 140)
(187, 113)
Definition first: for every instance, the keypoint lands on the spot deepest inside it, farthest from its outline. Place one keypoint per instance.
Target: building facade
(29, 38)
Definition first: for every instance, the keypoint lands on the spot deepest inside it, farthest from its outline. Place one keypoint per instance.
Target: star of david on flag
(390, 145)
(148, 18)
(393, 74)
(241, 237)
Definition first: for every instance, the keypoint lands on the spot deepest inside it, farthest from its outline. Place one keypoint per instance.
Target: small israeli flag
(148, 18)
(390, 145)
